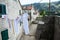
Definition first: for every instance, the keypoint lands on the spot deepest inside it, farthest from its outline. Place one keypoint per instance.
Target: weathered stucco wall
(12, 10)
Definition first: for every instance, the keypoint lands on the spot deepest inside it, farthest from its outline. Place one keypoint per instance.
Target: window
(19, 12)
(2, 9)
(34, 13)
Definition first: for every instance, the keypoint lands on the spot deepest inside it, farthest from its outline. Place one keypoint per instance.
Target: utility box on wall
(2, 9)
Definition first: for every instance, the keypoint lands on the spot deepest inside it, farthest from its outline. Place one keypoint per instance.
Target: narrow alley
(32, 33)
(29, 19)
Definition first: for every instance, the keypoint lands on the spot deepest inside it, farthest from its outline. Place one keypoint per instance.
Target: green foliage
(43, 12)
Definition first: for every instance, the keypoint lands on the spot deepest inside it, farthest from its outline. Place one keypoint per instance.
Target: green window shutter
(4, 34)
(2, 9)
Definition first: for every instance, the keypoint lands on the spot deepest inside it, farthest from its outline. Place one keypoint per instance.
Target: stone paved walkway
(32, 32)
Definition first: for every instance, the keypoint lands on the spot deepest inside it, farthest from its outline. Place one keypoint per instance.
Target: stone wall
(57, 28)
(46, 31)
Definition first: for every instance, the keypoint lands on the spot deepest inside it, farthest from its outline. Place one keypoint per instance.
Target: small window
(34, 13)
(19, 12)
(2, 9)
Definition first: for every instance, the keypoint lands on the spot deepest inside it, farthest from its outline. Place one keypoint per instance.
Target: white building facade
(13, 9)
(34, 13)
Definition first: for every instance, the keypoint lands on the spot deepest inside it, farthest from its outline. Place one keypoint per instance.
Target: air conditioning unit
(2, 9)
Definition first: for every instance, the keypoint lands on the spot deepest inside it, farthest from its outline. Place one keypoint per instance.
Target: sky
(24, 2)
